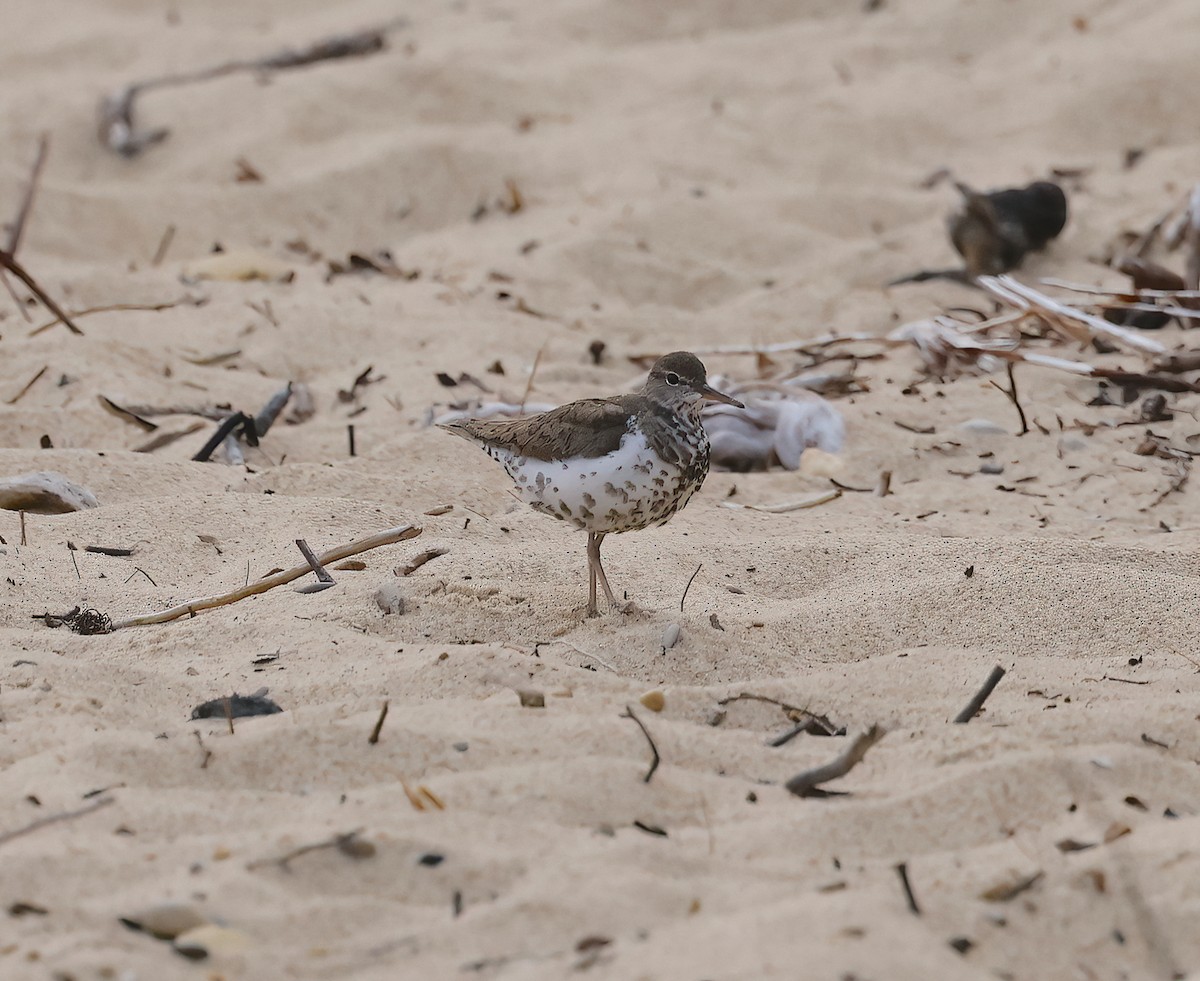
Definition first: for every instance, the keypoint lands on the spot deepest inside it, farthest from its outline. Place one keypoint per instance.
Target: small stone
(389, 599)
(532, 699)
(671, 636)
(655, 701)
(165, 922)
(992, 468)
(815, 462)
(210, 941)
(983, 427)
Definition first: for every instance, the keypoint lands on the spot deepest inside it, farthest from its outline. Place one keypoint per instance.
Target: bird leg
(593, 554)
(596, 571)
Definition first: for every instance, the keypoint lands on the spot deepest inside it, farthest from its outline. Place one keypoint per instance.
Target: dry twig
(981, 696)
(8, 254)
(120, 134)
(807, 784)
(192, 607)
(628, 714)
(42, 822)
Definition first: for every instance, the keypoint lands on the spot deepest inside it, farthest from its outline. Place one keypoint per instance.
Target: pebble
(166, 921)
(983, 427)
(671, 636)
(816, 462)
(389, 599)
(210, 940)
(655, 701)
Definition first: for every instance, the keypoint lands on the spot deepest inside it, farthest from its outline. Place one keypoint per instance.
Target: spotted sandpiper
(613, 464)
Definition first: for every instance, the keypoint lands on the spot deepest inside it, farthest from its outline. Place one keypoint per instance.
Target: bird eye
(672, 378)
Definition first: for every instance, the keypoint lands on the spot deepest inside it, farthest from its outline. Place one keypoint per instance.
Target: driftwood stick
(981, 696)
(228, 425)
(413, 564)
(191, 608)
(807, 784)
(313, 561)
(42, 822)
(270, 412)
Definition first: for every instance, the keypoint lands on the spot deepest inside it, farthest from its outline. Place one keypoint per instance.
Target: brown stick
(118, 132)
(902, 871)
(95, 805)
(17, 228)
(413, 564)
(807, 784)
(9, 262)
(195, 301)
(981, 696)
(344, 843)
(628, 714)
(1011, 392)
(389, 537)
(374, 737)
(27, 386)
(318, 569)
(8, 255)
(689, 585)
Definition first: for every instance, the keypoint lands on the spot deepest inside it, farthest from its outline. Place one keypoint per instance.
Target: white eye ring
(672, 378)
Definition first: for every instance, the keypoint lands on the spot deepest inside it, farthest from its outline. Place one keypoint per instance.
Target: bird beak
(712, 395)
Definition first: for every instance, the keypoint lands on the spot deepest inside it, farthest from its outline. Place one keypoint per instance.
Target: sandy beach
(459, 217)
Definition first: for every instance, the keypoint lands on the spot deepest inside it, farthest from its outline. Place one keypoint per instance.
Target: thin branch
(807, 784)
(378, 727)
(537, 360)
(689, 585)
(95, 805)
(119, 133)
(189, 300)
(347, 843)
(9, 262)
(628, 714)
(17, 228)
(902, 871)
(1011, 392)
(981, 696)
(191, 608)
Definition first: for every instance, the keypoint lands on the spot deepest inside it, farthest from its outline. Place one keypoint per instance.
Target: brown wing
(588, 428)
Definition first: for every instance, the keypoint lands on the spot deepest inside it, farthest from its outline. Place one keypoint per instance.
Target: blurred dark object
(993, 232)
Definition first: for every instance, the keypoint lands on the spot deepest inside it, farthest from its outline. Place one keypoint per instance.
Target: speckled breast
(635, 486)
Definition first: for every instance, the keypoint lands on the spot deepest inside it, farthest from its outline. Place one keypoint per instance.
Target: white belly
(623, 491)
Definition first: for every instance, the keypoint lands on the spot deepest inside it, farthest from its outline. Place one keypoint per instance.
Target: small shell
(671, 636)
(655, 701)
